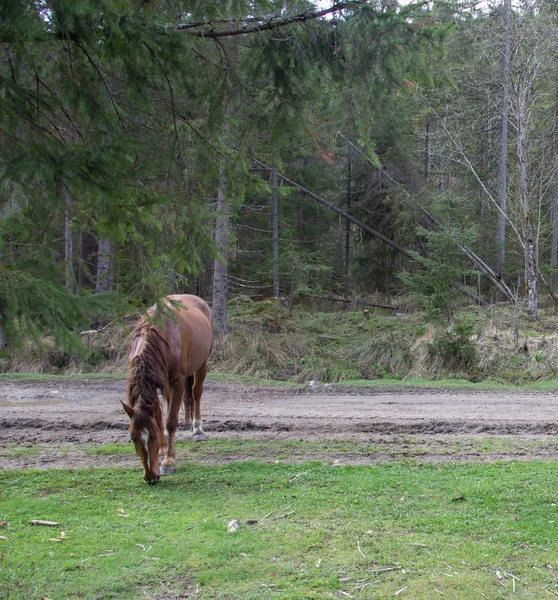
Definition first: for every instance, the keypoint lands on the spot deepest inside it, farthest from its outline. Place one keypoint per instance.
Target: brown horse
(168, 352)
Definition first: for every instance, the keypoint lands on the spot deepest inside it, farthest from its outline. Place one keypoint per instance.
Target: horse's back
(195, 331)
(191, 301)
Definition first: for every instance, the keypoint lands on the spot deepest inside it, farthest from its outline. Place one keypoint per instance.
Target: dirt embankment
(51, 424)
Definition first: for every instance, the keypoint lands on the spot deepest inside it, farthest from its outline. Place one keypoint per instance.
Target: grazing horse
(168, 352)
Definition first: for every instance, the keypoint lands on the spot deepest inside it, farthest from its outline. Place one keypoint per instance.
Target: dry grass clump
(382, 355)
(104, 351)
(518, 359)
(502, 353)
(258, 355)
(266, 342)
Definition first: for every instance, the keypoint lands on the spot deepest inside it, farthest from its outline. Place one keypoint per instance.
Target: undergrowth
(268, 341)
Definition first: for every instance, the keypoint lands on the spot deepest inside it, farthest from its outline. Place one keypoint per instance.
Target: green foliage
(456, 348)
(436, 286)
(120, 105)
(88, 102)
(32, 302)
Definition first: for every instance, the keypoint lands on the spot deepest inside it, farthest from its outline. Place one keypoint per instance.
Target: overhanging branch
(261, 23)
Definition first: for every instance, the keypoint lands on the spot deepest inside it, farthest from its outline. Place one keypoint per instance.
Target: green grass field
(394, 530)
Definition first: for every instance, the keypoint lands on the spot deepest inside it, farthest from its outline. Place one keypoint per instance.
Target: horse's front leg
(164, 442)
(177, 391)
(197, 390)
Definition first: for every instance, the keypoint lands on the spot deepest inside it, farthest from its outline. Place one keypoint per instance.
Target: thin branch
(199, 134)
(105, 84)
(62, 108)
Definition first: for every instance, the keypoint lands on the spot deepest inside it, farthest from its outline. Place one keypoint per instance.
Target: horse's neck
(148, 366)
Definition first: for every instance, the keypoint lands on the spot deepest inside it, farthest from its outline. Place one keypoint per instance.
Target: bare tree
(503, 155)
(220, 264)
(275, 224)
(554, 212)
(105, 281)
(522, 190)
(65, 196)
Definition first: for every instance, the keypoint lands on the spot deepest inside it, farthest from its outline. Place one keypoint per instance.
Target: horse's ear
(129, 410)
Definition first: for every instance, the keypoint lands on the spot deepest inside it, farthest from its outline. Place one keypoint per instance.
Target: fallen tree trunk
(357, 301)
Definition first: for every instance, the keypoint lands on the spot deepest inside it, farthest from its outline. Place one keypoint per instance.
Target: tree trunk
(530, 259)
(104, 266)
(220, 264)
(347, 230)
(531, 271)
(275, 225)
(503, 156)
(554, 244)
(64, 194)
(427, 150)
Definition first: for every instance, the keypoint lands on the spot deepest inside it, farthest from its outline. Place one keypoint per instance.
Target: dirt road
(59, 419)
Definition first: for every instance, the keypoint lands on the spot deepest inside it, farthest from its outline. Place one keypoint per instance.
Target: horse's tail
(147, 370)
(189, 398)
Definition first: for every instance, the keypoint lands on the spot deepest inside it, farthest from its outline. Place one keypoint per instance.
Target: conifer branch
(38, 126)
(105, 84)
(62, 108)
(262, 23)
(173, 107)
(9, 58)
(200, 135)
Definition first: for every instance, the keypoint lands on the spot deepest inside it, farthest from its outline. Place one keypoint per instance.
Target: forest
(357, 151)
(365, 192)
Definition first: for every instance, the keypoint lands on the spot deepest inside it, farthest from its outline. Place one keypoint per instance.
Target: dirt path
(52, 423)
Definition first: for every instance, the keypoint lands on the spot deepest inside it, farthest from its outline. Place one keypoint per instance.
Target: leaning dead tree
(408, 253)
(339, 211)
(479, 264)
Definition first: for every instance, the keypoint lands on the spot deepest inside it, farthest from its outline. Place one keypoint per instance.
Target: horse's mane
(147, 372)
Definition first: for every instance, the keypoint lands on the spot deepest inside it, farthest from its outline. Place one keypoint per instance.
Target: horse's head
(147, 434)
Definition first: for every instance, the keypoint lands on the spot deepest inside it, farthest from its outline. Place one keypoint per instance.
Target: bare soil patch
(55, 424)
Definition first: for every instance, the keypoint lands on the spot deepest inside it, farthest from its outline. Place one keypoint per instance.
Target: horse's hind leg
(177, 391)
(188, 400)
(197, 390)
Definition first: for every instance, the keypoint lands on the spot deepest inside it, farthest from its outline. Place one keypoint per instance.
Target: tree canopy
(123, 121)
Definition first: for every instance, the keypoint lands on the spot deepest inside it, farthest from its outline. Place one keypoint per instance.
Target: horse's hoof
(167, 470)
(200, 437)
